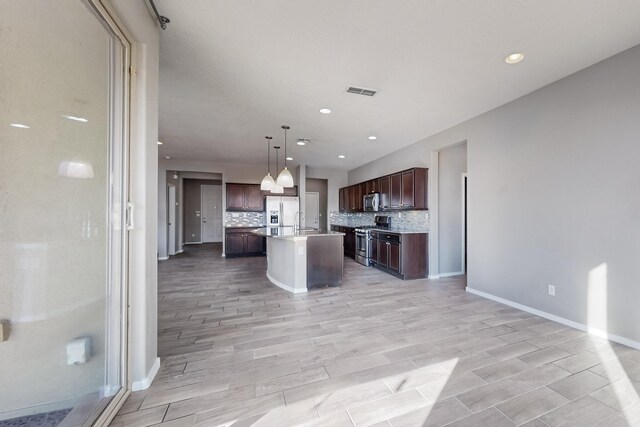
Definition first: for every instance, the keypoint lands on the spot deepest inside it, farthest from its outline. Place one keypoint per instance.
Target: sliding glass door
(63, 194)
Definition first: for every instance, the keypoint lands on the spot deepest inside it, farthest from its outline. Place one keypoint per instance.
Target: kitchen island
(299, 260)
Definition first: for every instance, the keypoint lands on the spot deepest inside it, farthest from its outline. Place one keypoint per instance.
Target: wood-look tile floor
(237, 351)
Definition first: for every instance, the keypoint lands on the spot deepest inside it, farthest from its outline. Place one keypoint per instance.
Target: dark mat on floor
(46, 419)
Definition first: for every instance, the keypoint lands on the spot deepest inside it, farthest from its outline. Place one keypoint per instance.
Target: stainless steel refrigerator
(281, 210)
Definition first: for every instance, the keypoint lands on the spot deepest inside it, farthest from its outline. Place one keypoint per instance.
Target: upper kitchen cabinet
(404, 190)
(384, 187)
(401, 190)
(244, 198)
(372, 186)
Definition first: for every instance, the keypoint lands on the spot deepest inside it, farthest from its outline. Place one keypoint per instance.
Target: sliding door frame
(120, 131)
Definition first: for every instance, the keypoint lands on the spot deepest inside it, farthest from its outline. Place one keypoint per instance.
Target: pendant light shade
(277, 189)
(285, 178)
(268, 183)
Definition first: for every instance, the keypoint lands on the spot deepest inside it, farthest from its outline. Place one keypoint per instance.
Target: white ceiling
(233, 71)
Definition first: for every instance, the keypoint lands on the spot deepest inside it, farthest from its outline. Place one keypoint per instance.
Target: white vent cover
(361, 91)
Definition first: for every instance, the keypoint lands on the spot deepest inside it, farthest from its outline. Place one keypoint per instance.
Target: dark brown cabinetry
(372, 186)
(403, 255)
(401, 190)
(384, 186)
(245, 198)
(349, 239)
(290, 191)
(242, 242)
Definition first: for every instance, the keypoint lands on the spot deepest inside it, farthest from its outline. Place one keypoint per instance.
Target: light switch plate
(4, 330)
(551, 289)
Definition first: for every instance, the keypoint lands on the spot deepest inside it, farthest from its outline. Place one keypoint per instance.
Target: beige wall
(553, 194)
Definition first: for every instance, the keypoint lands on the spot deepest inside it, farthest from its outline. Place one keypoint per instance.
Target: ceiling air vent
(361, 91)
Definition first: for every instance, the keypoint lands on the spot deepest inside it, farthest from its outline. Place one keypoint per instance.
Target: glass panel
(62, 193)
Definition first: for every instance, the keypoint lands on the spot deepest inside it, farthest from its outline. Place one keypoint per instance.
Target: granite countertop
(288, 232)
(399, 231)
(388, 230)
(244, 226)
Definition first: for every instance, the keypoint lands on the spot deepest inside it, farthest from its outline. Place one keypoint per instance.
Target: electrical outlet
(551, 290)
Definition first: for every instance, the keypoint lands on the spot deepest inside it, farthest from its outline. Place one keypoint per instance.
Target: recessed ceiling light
(289, 158)
(167, 157)
(75, 118)
(19, 126)
(341, 156)
(514, 58)
(301, 142)
(325, 110)
(373, 137)
(160, 143)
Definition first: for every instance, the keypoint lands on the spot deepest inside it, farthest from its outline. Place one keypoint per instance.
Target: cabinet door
(341, 200)
(394, 256)
(235, 197)
(371, 186)
(383, 254)
(408, 189)
(291, 191)
(253, 200)
(354, 198)
(253, 244)
(373, 249)
(384, 186)
(395, 198)
(234, 244)
(359, 195)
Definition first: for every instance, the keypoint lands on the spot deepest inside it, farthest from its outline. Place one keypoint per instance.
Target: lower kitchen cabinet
(242, 242)
(349, 239)
(403, 255)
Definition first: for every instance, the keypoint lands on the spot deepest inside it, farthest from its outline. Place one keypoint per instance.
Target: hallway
(238, 351)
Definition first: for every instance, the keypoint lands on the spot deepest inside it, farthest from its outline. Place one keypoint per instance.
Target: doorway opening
(194, 209)
(319, 187)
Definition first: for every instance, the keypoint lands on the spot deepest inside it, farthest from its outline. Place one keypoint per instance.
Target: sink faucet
(297, 221)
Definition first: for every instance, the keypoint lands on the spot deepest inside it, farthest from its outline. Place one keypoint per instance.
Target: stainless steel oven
(362, 246)
(363, 239)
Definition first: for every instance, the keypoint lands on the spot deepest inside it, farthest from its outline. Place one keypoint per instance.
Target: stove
(363, 238)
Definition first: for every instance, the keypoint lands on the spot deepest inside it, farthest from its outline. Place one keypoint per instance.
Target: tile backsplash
(405, 220)
(244, 219)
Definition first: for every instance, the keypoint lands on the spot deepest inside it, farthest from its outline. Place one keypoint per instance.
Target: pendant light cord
(285, 127)
(268, 154)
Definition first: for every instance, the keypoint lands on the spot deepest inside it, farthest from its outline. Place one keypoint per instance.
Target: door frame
(107, 13)
(465, 183)
(171, 208)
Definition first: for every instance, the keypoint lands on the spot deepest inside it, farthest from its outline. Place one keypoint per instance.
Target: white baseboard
(144, 383)
(163, 258)
(576, 325)
(180, 251)
(434, 276)
(455, 273)
(285, 287)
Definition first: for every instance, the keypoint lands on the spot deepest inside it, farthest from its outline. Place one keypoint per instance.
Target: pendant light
(285, 178)
(268, 182)
(277, 189)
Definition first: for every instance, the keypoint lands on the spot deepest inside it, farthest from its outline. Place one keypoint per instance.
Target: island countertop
(293, 233)
(299, 260)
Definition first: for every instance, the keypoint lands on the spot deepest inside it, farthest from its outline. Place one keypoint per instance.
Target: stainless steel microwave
(371, 202)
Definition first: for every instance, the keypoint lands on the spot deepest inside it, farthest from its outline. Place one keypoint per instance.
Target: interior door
(312, 210)
(211, 219)
(171, 218)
